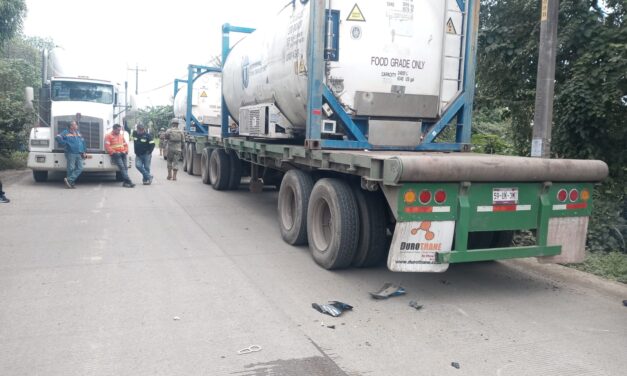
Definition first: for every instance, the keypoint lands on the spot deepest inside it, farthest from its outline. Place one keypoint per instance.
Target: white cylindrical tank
(391, 60)
(206, 101)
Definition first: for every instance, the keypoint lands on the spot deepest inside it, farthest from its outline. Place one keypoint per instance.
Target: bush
(14, 161)
(612, 265)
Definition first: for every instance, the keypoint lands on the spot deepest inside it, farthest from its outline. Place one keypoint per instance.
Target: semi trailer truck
(67, 95)
(344, 105)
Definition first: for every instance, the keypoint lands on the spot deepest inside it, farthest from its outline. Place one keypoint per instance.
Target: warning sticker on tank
(415, 245)
(450, 27)
(356, 14)
(203, 94)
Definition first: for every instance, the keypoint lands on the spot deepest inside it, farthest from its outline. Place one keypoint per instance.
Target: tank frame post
(316, 67)
(227, 29)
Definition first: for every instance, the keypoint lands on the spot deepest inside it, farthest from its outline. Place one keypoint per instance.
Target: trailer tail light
(410, 197)
(585, 195)
(440, 196)
(573, 195)
(562, 195)
(425, 197)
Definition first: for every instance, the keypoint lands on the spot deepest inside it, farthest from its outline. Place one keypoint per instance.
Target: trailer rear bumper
(497, 254)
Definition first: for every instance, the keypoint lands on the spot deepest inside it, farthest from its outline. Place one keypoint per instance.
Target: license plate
(504, 196)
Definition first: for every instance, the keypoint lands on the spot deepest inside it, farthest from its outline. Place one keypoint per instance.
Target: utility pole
(545, 84)
(137, 70)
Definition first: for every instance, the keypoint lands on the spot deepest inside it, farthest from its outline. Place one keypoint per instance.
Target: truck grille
(89, 127)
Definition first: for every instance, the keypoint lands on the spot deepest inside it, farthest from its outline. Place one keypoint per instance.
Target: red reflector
(440, 197)
(573, 195)
(316, 112)
(504, 208)
(419, 209)
(562, 195)
(581, 205)
(425, 197)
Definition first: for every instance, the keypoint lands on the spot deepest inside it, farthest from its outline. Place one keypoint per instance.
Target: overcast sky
(163, 37)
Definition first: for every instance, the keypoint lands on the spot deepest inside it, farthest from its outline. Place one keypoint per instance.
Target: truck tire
(185, 157)
(219, 166)
(235, 176)
(292, 206)
(332, 224)
(196, 168)
(190, 159)
(40, 176)
(118, 176)
(204, 165)
(372, 245)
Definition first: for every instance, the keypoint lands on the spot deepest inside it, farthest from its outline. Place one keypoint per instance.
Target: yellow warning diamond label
(450, 27)
(356, 14)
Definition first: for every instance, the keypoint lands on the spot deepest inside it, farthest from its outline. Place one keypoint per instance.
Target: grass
(612, 265)
(14, 161)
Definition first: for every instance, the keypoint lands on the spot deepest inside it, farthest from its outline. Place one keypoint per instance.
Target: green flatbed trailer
(423, 210)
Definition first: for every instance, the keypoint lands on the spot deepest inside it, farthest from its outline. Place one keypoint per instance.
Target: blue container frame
(460, 108)
(193, 73)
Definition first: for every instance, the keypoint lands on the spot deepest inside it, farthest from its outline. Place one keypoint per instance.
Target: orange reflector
(410, 197)
(585, 195)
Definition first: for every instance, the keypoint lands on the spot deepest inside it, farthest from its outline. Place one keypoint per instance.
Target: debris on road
(388, 290)
(414, 304)
(334, 308)
(249, 349)
(455, 365)
(176, 318)
(625, 303)
(331, 326)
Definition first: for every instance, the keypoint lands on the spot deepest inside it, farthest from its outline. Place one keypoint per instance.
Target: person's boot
(169, 174)
(174, 175)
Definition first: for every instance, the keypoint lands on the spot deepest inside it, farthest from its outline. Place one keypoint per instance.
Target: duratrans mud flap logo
(415, 246)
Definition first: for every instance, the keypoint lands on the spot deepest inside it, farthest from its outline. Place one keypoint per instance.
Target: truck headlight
(40, 142)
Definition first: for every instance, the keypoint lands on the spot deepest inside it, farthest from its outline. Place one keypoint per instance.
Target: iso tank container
(399, 59)
(206, 101)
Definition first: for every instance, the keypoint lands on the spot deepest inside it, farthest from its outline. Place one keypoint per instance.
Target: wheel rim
(322, 225)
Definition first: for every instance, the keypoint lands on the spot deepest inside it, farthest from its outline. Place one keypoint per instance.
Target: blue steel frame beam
(193, 73)
(316, 67)
(227, 29)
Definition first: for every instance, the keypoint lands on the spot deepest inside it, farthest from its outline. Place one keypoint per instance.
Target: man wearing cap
(144, 145)
(116, 146)
(175, 138)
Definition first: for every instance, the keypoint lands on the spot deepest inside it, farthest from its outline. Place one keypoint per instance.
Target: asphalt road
(175, 278)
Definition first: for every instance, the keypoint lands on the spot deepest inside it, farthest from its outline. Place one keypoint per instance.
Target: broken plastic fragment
(334, 308)
(388, 290)
(414, 304)
(455, 364)
(176, 318)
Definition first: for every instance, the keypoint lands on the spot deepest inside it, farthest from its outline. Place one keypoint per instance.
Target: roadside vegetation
(590, 113)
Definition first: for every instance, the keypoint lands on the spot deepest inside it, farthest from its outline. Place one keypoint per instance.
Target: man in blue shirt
(74, 145)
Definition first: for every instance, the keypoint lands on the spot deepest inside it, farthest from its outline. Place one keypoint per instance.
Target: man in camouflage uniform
(162, 142)
(176, 139)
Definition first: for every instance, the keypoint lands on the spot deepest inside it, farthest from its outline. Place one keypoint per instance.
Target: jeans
(142, 162)
(74, 166)
(119, 159)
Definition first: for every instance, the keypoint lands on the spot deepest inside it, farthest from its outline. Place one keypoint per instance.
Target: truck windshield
(82, 91)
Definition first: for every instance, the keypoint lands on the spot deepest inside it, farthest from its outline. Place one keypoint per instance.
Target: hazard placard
(450, 27)
(203, 94)
(356, 14)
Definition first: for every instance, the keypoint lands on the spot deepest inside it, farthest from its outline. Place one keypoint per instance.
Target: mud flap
(415, 246)
(570, 233)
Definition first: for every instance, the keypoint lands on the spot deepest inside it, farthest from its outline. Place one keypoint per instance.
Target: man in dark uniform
(144, 145)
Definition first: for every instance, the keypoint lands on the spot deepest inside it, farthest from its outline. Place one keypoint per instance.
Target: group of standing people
(115, 145)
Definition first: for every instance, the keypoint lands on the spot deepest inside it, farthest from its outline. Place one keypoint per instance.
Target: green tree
(12, 13)
(156, 116)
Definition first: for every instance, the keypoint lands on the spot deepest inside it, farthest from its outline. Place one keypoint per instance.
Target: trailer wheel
(292, 207)
(190, 159)
(185, 157)
(235, 176)
(372, 246)
(40, 176)
(204, 165)
(219, 170)
(332, 224)
(196, 167)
